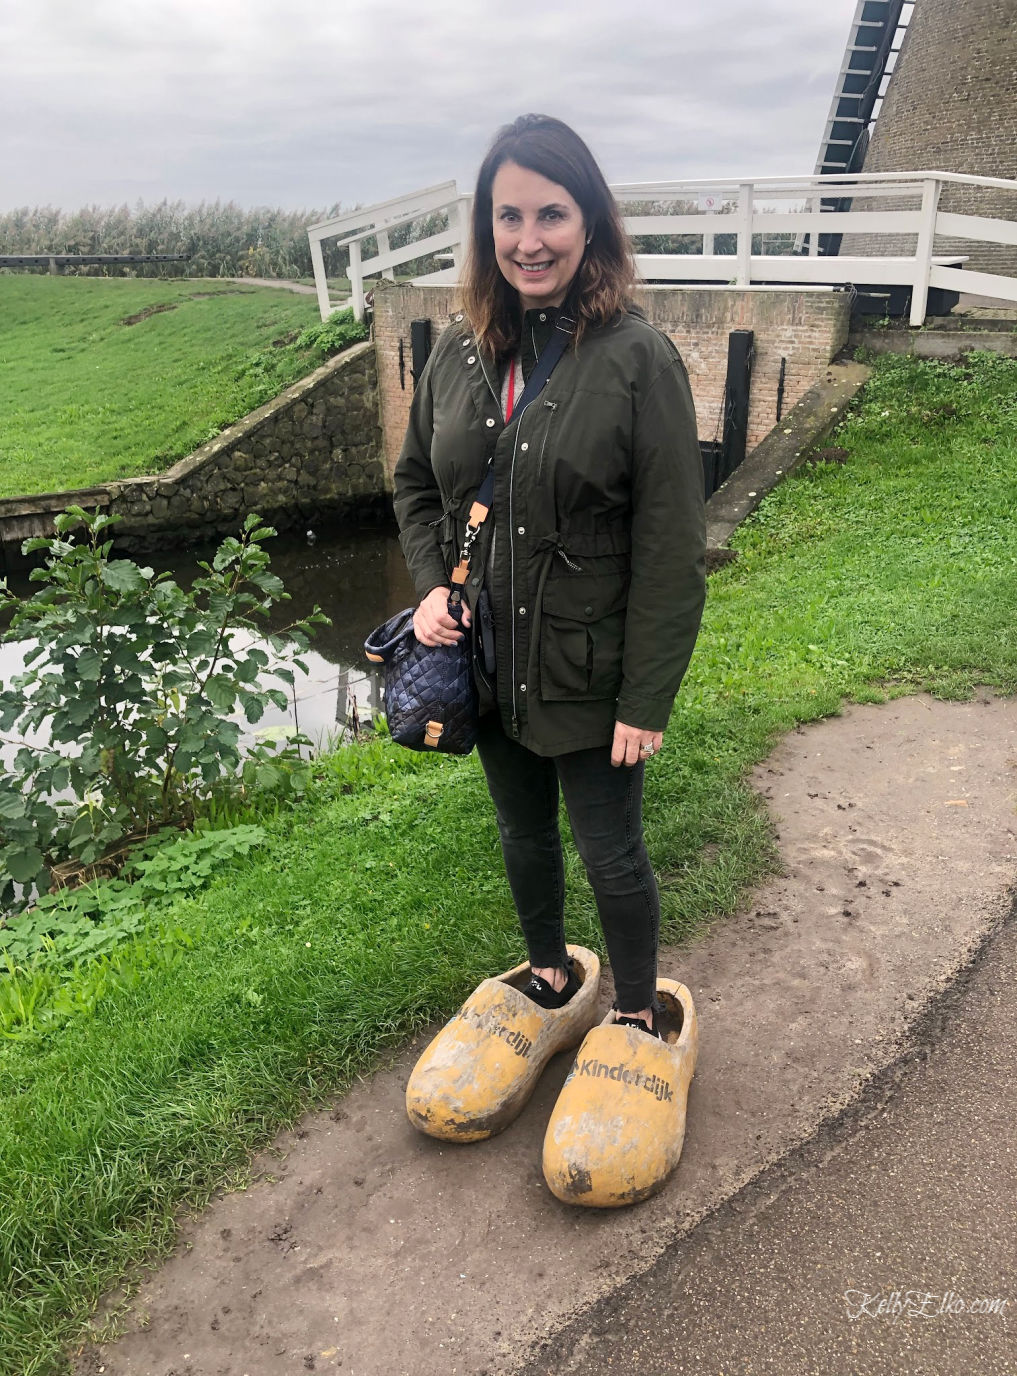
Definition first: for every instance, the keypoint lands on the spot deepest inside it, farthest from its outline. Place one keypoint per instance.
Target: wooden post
(736, 401)
(744, 220)
(356, 280)
(460, 215)
(815, 205)
(383, 247)
(320, 280)
(923, 253)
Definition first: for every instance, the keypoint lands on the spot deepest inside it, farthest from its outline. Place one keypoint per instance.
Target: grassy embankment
(376, 904)
(86, 396)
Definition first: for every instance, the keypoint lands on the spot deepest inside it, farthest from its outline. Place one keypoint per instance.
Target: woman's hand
(627, 747)
(432, 624)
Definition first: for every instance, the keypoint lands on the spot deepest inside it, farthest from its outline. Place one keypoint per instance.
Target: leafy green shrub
(333, 335)
(123, 710)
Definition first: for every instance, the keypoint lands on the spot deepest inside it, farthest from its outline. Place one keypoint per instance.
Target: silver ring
(647, 749)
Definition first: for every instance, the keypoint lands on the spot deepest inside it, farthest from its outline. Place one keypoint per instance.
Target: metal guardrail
(55, 261)
(742, 207)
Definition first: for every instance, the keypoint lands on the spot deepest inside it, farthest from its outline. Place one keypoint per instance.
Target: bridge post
(356, 277)
(383, 247)
(320, 280)
(923, 253)
(460, 213)
(744, 220)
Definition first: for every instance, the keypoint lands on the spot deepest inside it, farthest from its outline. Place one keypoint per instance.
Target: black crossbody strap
(482, 503)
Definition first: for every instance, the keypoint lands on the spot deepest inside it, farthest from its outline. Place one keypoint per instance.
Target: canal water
(357, 577)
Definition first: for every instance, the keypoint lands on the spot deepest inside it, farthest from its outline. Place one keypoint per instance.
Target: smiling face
(539, 235)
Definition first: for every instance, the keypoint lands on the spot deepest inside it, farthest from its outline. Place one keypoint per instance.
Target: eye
(553, 215)
(506, 216)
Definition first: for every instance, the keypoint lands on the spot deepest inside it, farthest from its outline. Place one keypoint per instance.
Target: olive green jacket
(598, 571)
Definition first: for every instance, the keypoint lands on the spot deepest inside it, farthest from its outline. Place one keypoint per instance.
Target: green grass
(85, 397)
(377, 903)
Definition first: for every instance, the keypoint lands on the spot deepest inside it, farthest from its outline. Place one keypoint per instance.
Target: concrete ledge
(21, 518)
(786, 447)
(939, 342)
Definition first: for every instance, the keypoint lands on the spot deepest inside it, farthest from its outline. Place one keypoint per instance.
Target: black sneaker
(545, 994)
(652, 1031)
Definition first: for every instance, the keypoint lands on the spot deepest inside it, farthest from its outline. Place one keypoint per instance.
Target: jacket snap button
(522, 611)
(472, 358)
(458, 318)
(588, 611)
(490, 422)
(543, 316)
(524, 446)
(475, 582)
(467, 341)
(521, 530)
(522, 687)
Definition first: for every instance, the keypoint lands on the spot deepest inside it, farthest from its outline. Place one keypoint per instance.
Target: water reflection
(356, 576)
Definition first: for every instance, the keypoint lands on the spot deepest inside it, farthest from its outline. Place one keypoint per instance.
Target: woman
(592, 557)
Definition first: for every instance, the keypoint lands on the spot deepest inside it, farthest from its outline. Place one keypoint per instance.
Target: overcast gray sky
(302, 103)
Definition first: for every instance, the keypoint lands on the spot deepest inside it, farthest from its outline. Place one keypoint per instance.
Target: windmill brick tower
(951, 106)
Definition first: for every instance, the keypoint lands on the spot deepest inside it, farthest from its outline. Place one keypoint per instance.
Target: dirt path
(300, 287)
(367, 1249)
(886, 1244)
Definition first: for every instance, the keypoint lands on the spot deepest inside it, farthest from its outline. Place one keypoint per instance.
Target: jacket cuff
(433, 575)
(646, 714)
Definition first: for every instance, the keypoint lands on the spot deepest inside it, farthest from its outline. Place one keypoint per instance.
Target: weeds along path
(360, 1246)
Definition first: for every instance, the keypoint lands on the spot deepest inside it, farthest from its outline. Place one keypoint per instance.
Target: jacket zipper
(512, 566)
(497, 400)
(552, 406)
(512, 530)
(512, 580)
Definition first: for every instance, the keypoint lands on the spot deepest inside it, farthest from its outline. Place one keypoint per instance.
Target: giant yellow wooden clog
(479, 1071)
(616, 1132)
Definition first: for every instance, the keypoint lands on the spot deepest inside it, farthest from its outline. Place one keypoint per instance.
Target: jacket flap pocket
(585, 596)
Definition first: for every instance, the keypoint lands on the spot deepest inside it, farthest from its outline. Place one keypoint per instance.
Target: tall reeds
(220, 238)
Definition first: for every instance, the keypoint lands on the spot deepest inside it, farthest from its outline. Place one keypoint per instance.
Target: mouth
(535, 267)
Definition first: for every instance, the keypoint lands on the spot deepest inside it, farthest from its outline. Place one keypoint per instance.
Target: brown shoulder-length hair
(600, 288)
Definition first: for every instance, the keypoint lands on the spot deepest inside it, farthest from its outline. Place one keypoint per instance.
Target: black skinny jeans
(605, 806)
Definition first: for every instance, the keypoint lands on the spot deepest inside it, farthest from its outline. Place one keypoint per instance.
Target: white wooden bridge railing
(742, 208)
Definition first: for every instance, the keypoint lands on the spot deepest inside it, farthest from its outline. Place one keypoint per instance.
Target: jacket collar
(481, 374)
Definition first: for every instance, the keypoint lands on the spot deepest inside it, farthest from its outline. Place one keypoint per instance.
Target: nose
(530, 241)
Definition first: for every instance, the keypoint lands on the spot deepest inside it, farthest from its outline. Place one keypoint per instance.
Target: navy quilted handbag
(430, 697)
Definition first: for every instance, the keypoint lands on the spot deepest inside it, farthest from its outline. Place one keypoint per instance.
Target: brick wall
(951, 106)
(806, 327)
